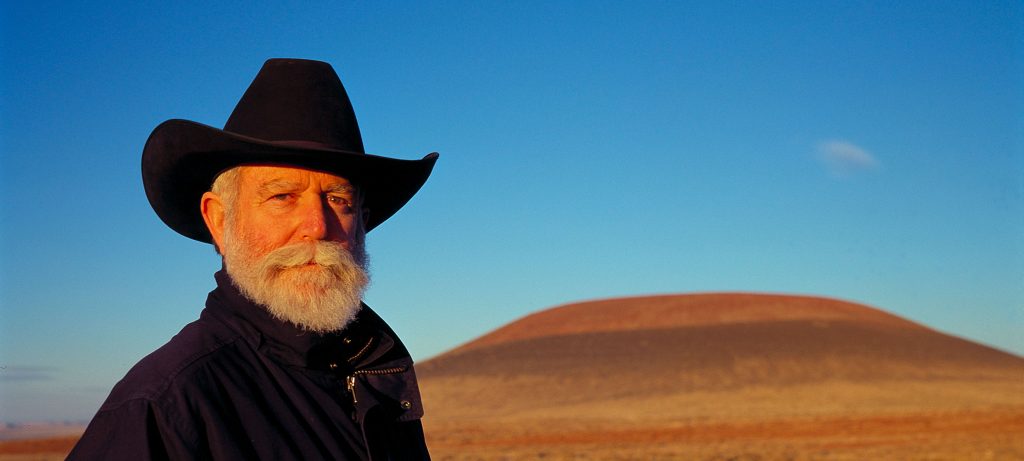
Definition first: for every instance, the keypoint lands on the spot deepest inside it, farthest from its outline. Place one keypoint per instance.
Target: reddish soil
(51, 448)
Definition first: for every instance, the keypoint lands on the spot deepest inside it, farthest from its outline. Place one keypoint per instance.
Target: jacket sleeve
(134, 430)
(396, 440)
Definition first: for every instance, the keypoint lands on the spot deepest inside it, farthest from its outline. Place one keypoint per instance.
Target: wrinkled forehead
(259, 177)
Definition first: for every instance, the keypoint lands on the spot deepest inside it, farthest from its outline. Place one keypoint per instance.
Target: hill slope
(669, 311)
(613, 353)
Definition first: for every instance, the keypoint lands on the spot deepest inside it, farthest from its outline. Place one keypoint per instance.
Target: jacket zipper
(350, 380)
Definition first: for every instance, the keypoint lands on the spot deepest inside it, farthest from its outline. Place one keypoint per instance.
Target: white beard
(317, 286)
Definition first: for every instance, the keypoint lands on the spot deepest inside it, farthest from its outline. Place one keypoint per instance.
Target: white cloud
(844, 159)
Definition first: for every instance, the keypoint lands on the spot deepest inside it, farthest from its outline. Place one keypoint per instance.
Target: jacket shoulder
(197, 344)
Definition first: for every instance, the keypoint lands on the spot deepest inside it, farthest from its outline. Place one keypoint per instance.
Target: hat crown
(295, 113)
(297, 101)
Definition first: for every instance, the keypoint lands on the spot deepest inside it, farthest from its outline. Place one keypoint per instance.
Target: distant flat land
(41, 448)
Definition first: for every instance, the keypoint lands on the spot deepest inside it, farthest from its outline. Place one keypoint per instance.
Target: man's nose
(314, 225)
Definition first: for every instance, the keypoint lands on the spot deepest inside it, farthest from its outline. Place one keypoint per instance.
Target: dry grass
(834, 421)
(946, 436)
(965, 435)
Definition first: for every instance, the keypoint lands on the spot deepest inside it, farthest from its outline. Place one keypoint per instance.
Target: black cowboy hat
(295, 113)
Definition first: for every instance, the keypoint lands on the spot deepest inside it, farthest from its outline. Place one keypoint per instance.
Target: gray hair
(226, 187)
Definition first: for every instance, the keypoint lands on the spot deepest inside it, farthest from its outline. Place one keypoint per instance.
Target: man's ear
(212, 208)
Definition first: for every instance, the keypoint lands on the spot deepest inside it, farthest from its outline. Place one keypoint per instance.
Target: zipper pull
(350, 382)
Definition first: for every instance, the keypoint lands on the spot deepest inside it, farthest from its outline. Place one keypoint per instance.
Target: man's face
(278, 206)
(293, 241)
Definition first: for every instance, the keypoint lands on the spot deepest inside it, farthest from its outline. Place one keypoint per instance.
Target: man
(285, 362)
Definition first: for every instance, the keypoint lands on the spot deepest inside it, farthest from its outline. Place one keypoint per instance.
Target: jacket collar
(364, 341)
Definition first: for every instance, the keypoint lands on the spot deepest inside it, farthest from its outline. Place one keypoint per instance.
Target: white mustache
(331, 255)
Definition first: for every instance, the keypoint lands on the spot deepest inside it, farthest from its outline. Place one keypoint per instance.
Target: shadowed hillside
(686, 361)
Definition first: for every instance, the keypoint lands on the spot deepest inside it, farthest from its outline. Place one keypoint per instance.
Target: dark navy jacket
(239, 384)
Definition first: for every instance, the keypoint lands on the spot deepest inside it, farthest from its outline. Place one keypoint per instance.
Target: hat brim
(182, 158)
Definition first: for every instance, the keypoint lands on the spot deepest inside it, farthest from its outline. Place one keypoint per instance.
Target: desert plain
(718, 376)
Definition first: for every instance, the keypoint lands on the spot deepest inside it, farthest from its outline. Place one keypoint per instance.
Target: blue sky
(858, 150)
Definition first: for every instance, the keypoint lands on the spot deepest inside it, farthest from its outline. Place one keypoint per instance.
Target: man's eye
(280, 197)
(342, 203)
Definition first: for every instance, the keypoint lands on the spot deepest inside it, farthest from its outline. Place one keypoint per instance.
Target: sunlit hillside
(723, 375)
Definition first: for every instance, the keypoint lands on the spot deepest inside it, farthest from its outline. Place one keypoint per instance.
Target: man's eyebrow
(277, 186)
(340, 188)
